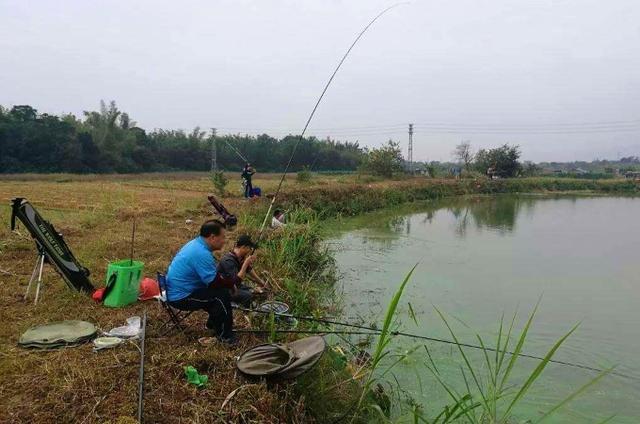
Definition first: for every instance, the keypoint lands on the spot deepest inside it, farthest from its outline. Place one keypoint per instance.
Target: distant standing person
(247, 173)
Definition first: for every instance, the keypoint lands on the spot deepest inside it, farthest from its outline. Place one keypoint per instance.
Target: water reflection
(481, 256)
(497, 214)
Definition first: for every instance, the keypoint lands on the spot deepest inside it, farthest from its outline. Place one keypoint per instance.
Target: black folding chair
(176, 316)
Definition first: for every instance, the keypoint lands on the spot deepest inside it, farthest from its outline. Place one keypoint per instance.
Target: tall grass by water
(296, 254)
(491, 392)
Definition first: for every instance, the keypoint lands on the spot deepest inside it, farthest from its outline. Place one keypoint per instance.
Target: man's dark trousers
(217, 302)
(248, 189)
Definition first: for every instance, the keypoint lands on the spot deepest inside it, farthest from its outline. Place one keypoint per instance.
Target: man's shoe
(230, 341)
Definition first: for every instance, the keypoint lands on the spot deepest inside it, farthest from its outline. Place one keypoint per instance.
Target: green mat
(58, 334)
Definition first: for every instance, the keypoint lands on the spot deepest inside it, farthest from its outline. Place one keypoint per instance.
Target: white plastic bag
(131, 330)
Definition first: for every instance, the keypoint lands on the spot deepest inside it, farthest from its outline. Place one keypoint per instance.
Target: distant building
(579, 171)
(633, 175)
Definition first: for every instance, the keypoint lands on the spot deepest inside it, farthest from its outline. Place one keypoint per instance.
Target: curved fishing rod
(315, 107)
(237, 152)
(375, 331)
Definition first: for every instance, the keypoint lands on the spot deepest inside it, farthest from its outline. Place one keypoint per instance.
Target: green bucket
(125, 276)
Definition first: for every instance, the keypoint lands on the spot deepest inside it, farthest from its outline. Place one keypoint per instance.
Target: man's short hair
(277, 212)
(245, 240)
(212, 226)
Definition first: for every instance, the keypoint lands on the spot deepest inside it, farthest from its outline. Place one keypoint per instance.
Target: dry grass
(95, 213)
(77, 385)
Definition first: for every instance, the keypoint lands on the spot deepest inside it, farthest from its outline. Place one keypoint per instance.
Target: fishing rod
(237, 152)
(376, 331)
(133, 238)
(285, 315)
(315, 107)
(141, 375)
(284, 331)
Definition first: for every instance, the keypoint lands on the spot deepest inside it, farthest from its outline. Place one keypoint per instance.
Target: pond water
(482, 256)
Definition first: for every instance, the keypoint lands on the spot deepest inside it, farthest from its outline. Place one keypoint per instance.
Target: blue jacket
(193, 268)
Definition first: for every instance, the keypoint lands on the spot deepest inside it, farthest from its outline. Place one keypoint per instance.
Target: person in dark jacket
(247, 173)
(233, 269)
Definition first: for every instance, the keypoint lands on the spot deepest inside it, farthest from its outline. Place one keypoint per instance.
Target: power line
(528, 132)
(534, 125)
(469, 132)
(282, 129)
(542, 129)
(452, 125)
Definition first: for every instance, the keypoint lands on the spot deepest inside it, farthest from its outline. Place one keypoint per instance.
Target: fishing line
(370, 330)
(306, 125)
(376, 331)
(133, 238)
(237, 152)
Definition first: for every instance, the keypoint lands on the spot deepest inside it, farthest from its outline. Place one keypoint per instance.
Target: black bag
(230, 220)
(52, 244)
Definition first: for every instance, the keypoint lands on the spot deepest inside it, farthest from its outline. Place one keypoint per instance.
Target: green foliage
(31, 142)
(383, 342)
(530, 169)
(490, 383)
(384, 161)
(502, 160)
(361, 198)
(490, 395)
(329, 389)
(304, 175)
(597, 166)
(298, 256)
(588, 176)
(108, 140)
(220, 182)
(471, 174)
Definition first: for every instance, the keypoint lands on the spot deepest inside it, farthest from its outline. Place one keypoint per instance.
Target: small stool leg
(33, 277)
(35, 302)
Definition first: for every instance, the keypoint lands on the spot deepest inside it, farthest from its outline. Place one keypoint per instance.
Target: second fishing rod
(376, 332)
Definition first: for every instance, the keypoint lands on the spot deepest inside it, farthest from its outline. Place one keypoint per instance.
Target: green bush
(384, 161)
(304, 176)
(471, 174)
(219, 182)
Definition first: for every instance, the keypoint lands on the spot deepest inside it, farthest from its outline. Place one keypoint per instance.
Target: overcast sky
(487, 71)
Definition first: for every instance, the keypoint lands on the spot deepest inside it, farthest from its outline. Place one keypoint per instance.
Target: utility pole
(410, 156)
(214, 151)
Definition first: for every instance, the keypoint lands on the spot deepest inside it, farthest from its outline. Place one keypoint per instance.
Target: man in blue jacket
(190, 278)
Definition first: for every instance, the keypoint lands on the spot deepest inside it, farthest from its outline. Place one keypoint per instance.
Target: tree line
(108, 140)
(503, 161)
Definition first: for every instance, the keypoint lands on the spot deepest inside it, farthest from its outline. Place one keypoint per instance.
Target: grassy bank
(360, 197)
(95, 215)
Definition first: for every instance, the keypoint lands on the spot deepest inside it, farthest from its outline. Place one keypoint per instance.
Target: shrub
(304, 176)
(219, 182)
(471, 174)
(502, 161)
(384, 161)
